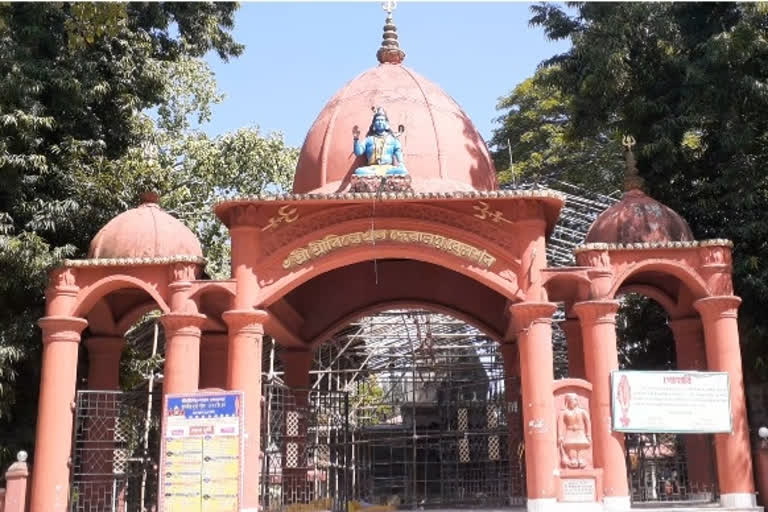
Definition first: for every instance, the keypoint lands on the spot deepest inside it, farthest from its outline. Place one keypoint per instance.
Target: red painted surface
(144, 232)
(300, 305)
(16, 491)
(443, 150)
(639, 218)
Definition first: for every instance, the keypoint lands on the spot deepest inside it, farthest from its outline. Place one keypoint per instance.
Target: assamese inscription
(330, 243)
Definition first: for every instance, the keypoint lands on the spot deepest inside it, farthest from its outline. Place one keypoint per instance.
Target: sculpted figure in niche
(574, 433)
(382, 148)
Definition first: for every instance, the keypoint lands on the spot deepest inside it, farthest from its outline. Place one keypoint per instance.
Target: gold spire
(632, 179)
(390, 51)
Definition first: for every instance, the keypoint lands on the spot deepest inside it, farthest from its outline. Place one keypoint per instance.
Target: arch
(566, 285)
(212, 287)
(281, 286)
(128, 319)
(683, 273)
(664, 300)
(277, 282)
(405, 304)
(103, 287)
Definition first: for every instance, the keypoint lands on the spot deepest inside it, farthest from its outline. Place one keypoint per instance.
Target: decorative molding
(62, 328)
(183, 323)
(131, 262)
(421, 212)
(716, 242)
(330, 243)
(524, 314)
(64, 278)
(246, 321)
(714, 308)
(592, 312)
(397, 196)
(594, 258)
(186, 272)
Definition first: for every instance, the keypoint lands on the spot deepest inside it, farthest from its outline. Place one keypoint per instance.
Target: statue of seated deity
(573, 433)
(383, 151)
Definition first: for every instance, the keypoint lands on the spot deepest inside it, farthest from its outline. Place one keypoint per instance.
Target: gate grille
(114, 455)
(659, 470)
(305, 442)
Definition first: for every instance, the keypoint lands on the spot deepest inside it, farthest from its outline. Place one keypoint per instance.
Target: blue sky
(299, 54)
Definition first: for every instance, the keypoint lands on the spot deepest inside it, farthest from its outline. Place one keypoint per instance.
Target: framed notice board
(201, 450)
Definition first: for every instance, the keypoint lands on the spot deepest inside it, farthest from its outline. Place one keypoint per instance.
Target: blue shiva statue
(382, 148)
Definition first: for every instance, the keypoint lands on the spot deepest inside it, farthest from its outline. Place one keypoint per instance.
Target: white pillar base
(616, 503)
(552, 505)
(738, 500)
(541, 505)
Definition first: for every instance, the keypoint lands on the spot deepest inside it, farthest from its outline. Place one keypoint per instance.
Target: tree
(74, 81)
(535, 124)
(690, 82)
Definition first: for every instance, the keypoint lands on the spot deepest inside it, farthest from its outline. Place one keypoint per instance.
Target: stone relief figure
(574, 433)
(384, 153)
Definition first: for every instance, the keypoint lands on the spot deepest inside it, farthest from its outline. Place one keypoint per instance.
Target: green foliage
(536, 125)
(690, 82)
(77, 146)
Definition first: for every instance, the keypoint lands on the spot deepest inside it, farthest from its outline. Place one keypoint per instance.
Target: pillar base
(541, 505)
(738, 500)
(616, 503)
(552, 505)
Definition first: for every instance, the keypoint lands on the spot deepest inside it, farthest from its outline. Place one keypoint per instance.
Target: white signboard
(670, 401)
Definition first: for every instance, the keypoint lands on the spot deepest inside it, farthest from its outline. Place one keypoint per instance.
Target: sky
(297, 55)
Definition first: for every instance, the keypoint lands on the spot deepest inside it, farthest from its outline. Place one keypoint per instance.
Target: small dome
(442, 149)
(638, 218)
(144, 232)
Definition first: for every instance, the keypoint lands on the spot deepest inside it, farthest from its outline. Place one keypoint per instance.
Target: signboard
(202, 444)
(578, 489)
(670, 401)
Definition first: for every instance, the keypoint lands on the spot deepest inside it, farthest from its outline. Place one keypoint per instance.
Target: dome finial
(632, 179)
(390, 52)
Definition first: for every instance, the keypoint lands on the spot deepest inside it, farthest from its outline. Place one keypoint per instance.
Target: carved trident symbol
(389, 5)
(628, 142)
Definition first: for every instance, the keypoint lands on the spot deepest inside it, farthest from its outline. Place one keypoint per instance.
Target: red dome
(144, 232)
(638, 218)
(442, 149)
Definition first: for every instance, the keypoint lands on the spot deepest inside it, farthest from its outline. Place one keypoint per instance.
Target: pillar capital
(183, 322)
(525, 314)
(246, 320)
(597, 311)
(714, 308)
(62, 328)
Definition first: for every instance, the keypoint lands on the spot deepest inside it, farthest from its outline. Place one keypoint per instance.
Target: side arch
(684, 274)
(88, 296)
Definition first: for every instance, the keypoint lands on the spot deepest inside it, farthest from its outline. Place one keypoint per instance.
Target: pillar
(732, 451)
(297, 364)
(598, 327)
(511, 359)
(246, 332)
(213, 352)
(572, 330)
(53, 439)
(182, 352)
(16, 480)
(533, 324)
(691, 355)
(96, 486)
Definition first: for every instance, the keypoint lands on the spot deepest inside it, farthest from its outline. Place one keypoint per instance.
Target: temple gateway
(395, 227)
